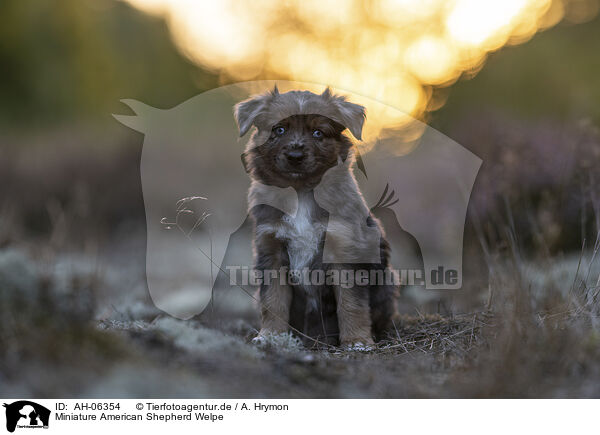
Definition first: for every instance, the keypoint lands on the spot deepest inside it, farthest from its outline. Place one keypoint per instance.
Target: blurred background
(515, 82)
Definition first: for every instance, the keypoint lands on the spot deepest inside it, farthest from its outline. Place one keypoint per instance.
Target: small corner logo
(26, 414)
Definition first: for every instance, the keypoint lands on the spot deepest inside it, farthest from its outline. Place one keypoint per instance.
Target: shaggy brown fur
(299, 143)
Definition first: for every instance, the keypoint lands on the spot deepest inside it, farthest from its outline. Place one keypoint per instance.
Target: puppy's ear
(352, 116)
(245, 113)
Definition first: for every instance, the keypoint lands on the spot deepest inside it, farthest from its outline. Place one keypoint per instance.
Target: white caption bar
(215, 416)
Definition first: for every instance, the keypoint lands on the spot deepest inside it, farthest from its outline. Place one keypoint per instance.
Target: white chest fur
(302, 233)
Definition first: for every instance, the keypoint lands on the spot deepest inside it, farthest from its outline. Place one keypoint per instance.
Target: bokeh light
(398, 52)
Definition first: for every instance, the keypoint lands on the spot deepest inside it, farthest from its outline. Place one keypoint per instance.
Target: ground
(65, 333)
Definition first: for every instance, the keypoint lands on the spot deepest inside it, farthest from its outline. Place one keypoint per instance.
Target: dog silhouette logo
(26, 414)
(195, 189)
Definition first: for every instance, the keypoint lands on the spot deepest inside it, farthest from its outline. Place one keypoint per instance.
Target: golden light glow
(476, 22)
(394, 51)
(432, 60)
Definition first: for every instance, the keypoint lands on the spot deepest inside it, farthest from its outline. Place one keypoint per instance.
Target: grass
(524, 345)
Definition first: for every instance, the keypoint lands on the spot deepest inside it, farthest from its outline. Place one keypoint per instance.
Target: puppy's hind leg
(383, 309)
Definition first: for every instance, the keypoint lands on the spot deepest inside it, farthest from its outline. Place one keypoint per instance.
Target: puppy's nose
(295, 155)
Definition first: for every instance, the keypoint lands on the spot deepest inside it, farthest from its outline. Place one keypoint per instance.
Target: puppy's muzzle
(295, 155)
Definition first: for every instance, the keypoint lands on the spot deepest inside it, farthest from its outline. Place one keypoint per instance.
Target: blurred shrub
(74, 59)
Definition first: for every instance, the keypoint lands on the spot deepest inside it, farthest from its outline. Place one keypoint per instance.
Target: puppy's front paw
(277, 339)
(259, 341)
(363, 345)
(280, 341)
(358, 347)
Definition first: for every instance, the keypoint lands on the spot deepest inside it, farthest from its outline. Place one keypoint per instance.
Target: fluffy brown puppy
(299, 143)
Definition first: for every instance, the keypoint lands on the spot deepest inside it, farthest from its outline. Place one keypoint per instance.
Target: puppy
(299, 143)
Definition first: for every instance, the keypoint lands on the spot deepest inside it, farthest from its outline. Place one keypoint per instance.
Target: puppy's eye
(279, 130)
(318, 134)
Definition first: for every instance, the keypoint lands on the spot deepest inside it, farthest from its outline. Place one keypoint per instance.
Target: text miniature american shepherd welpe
(299, 143)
